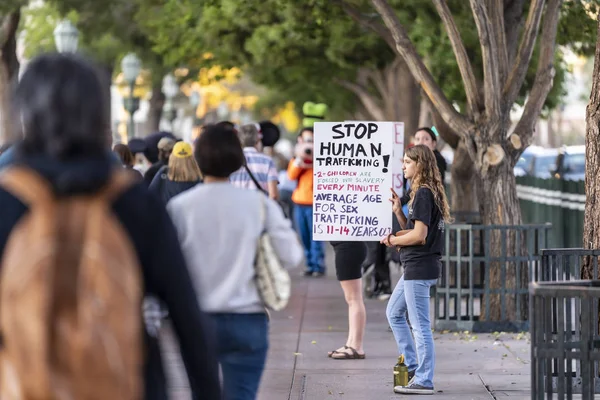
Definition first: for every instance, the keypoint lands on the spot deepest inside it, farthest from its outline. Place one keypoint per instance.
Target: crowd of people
(98, 246)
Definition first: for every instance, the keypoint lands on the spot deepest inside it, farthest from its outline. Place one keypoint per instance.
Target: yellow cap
(182, 150)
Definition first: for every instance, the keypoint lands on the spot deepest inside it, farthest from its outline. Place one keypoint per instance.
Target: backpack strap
(27, 185)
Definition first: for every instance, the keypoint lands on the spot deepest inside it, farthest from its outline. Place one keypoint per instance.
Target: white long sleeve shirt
(218, 227)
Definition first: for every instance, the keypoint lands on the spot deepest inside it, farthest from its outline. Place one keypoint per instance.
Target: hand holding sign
(396, 204)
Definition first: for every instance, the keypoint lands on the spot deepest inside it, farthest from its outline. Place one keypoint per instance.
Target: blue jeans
(413, 296)
(243, 341)
(313, 251)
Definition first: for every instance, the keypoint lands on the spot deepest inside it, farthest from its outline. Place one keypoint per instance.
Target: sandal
(342, 355)
(332, 352)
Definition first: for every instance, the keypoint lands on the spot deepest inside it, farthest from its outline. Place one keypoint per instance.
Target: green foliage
(577, 27)
(7, 6)
(303, 48)
(298, 49)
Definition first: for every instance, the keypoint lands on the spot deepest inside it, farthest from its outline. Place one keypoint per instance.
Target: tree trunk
(502, 207)
(406, 96)
(464, 179)
(425, 118)
(157, 102)
(591, 219)
(464, 185)
(9, 71)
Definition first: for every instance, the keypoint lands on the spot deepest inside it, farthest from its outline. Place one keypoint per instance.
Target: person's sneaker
(376, 290)
(319, 274)
(411, 376)
(308, 272)
(413, 388)
(367, 279)
(385, 292)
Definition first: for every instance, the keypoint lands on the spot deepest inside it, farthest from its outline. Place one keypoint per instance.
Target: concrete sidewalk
(469, 366)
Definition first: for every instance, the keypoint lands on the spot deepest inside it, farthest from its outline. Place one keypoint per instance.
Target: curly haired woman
(421, 242)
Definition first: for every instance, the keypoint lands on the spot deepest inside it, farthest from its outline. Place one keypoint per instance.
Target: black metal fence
(485, 275)
(565, 264)
(563, 320)
(565, 345)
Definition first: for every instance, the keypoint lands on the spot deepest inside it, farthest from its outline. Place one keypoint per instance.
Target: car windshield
(574, 163)
(544, 164)
(524, 161)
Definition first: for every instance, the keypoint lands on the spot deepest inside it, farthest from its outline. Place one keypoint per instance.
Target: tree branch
(544, 76)
(444, 130)
(489, 53)
(9, 26)
(404, 47)
(366, 99)
(496, 9)
(464, 65)
(513, 20)
(519, 69)
(366, 22)
(377, 78)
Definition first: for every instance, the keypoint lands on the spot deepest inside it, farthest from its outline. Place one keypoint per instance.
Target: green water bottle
(400, 372)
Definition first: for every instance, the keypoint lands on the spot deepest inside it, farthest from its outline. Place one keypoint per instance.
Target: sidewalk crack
(487, 388)
(298, 348)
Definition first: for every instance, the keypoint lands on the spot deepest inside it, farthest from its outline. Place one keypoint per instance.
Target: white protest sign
(398, 160)
(352, 180)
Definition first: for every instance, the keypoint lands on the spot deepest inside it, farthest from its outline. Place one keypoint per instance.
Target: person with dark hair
(428, 137)
(138, 147)
(226, 125)
(126, 157)
(64, 158)
(300, 169)
(219, 226)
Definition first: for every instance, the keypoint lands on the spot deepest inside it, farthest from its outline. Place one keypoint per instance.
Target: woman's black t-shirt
(423, 261)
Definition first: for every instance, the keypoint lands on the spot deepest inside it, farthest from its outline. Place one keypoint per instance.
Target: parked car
(537, 161)
(570, 163)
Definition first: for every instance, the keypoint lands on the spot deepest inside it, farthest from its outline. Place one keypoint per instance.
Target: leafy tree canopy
(302, 48)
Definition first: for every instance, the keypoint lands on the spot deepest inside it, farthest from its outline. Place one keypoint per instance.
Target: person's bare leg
(357, 315)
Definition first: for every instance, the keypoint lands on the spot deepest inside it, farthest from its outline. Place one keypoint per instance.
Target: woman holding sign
(420, 242)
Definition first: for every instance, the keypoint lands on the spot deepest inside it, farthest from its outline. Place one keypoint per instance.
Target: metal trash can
(565, 346)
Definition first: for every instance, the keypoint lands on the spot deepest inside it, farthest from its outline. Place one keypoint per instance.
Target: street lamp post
(131, 66)
(66, 37)
(170, 88)
(194, 102)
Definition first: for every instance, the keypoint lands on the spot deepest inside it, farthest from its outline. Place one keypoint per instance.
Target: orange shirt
(303, 195)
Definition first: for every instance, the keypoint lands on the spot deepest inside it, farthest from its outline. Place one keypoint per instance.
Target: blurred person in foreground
(181, 174)
(81, 244)
(219, 226)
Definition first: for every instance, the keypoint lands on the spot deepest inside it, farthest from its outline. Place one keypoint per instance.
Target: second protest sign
(352, 180)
